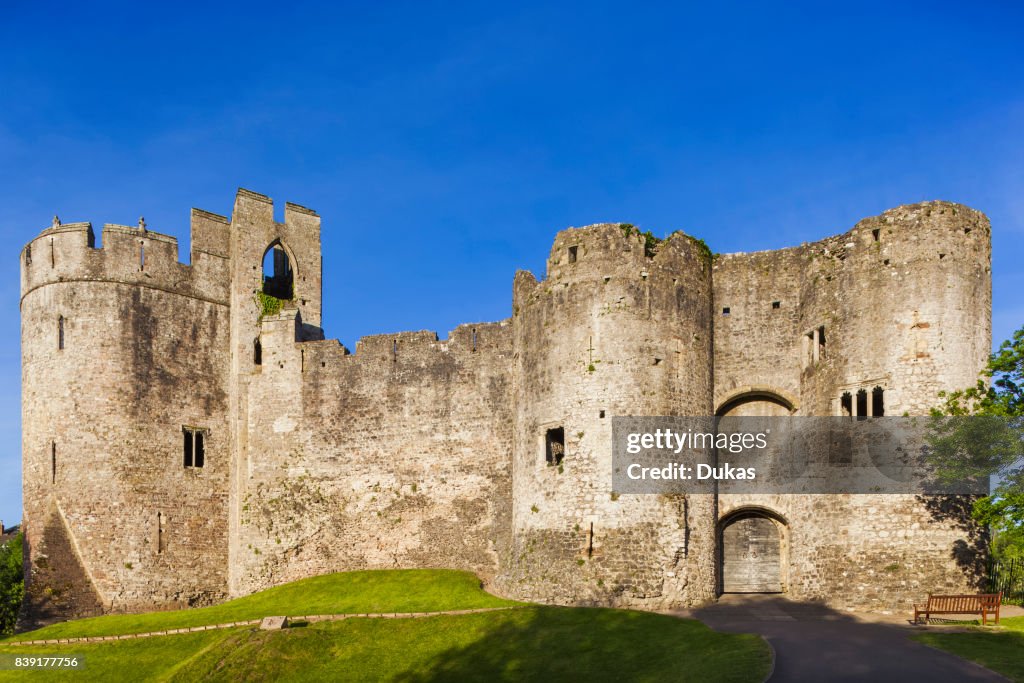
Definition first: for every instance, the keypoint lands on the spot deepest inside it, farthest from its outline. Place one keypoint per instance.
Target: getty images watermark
(794, 455)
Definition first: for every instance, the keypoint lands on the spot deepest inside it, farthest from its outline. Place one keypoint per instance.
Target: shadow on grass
(598, 645)
(533, 643)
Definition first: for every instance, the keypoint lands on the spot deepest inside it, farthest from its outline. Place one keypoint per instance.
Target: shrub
(12, 584)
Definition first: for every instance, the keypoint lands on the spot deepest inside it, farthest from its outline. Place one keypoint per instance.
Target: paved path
(256, 622)
(815, 643)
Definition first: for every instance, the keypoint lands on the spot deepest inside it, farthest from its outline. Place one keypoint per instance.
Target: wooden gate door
(750, 556)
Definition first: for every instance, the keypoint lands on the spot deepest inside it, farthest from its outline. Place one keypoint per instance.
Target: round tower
(619, 327)
(908, 295)
(873, 322)
(123, 379)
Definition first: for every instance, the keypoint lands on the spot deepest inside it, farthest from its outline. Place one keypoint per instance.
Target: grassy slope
(146, 659)
(405, 590)
(533, 643)
(1001, 651)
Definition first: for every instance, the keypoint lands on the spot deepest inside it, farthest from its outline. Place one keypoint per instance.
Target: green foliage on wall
(702, 247)
(651, 242)
(268, 305)
(12, 584)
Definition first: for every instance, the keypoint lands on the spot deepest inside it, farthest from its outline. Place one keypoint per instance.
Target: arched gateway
(752, 549)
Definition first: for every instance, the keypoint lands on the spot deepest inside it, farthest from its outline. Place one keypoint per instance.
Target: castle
(189, 435)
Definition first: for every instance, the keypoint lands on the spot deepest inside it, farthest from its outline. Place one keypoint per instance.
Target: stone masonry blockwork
(419, 452)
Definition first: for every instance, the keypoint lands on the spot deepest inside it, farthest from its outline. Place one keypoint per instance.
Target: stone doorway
(751, 553)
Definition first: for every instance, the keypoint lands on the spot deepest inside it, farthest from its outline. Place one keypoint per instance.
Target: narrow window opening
(159, 532)
(554, 446)
(776, 304)
(875, 234)
(200, 450)
(194, 447)
(862, 404)
(142, 255)
(846, 404)
(257, 352)
(814, 345)
(590, 541)
(601, 414)
(278, 278)
(474, 339)
(572, 254)
(53, 462)
(878, 402)
(53, 258)
(302, 360)
(725, 311)
(28, 255)
(60, 333)
(394, 351)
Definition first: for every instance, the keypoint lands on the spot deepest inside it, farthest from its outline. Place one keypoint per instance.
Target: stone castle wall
(395, 456)
(415, 451)
(121, 347)
(903, 304)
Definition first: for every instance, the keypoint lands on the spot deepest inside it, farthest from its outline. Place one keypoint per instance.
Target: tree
(12, 584)
(980, 430)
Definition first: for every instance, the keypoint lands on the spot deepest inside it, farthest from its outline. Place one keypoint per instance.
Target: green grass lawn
(402, 590)
(1001, 650)
(146, 659)
(532, 643)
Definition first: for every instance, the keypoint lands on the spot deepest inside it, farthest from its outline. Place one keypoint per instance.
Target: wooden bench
(983, 604)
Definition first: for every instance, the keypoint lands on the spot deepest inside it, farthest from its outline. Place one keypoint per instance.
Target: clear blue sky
(445, 143)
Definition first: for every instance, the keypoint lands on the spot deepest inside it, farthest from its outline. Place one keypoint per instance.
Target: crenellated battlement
(129, 255)
(136, 255)
(210, 234)
(407, 351)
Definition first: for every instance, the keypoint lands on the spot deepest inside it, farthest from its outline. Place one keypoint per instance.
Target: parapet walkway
(256, 622)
